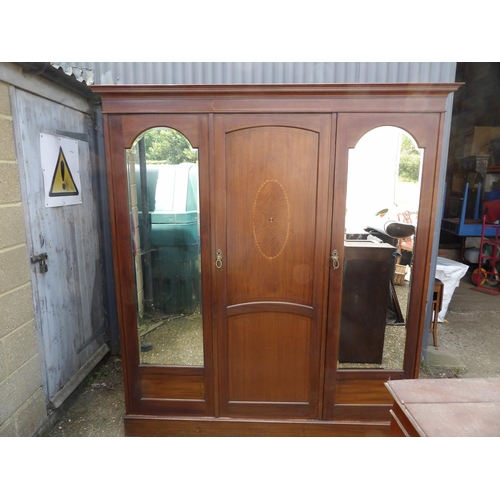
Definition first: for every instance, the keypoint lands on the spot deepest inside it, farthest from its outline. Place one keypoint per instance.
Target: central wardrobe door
(271, 259)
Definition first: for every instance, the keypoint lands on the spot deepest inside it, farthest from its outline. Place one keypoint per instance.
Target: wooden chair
(437, 303)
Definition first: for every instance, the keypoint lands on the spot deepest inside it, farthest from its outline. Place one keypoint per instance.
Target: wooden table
(445, 407)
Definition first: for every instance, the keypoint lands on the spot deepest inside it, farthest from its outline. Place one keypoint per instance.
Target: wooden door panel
(271, 224)
(69, 315)
(271, 186)
(268, 356)
(173, 386)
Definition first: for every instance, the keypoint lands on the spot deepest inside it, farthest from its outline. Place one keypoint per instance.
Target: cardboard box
(477, 140)
(449, 253)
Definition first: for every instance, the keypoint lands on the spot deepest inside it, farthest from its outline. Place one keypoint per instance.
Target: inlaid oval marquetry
(271, 219)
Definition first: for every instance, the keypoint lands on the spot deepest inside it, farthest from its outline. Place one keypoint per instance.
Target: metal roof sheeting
(82, 75)
(105, 73)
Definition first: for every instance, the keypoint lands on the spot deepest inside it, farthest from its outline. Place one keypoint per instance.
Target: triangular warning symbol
(62, 182)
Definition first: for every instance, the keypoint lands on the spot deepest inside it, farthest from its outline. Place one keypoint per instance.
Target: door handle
(335, 259)
(218, 259)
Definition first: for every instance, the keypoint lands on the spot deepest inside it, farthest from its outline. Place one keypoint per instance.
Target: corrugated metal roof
(266, 72)
(81, 74)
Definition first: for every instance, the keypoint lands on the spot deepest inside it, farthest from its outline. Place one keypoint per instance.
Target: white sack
(450, 273)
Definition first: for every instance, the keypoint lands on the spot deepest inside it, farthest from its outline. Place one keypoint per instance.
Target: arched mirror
(383, 191)
(164, 217)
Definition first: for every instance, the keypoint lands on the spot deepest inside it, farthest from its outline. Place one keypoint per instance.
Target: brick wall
(22, 400)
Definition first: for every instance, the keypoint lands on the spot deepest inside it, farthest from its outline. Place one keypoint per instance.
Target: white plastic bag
(449, 272)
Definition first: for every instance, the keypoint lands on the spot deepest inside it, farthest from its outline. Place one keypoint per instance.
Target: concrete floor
(468, 346)
(469, 339)
(176, 341)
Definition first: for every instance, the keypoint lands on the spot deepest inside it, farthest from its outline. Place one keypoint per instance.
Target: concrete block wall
(22, 400)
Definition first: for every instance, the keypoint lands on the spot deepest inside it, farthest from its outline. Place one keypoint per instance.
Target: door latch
(218, 259)
(41, 260)
(335, 259)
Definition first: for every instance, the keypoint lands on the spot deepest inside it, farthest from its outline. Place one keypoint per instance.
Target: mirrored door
(160, 184)
(164, 205)
(383, 193)
(381, 239)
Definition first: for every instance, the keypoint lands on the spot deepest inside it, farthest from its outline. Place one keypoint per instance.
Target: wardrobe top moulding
(335, 98)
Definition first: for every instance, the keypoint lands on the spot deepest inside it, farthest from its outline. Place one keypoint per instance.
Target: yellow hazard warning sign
(63, 183)
(61, 170)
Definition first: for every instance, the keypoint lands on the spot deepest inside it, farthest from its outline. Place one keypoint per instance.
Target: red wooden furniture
(489, 259)
(445, 408)
(273, 165)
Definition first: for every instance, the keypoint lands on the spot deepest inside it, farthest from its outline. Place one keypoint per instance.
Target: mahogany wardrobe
(289, 291)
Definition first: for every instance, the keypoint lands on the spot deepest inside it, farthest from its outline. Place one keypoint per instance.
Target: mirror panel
(383, 192)
(164, 213)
